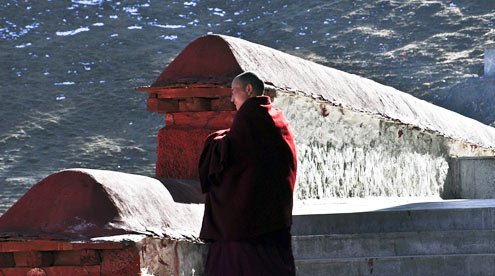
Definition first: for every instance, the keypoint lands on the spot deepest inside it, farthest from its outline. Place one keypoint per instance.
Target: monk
(248, 174)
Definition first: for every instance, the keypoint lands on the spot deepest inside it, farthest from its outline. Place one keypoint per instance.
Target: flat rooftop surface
(357, 205)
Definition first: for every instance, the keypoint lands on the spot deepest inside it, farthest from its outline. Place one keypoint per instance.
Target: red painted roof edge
(208, 59)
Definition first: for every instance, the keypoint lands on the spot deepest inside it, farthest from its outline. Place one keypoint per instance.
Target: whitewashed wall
(353, 154)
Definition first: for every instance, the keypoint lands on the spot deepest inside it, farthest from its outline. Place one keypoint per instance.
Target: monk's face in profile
(241, 93)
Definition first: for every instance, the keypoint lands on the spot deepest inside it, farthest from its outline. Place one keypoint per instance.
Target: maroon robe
(248, 174)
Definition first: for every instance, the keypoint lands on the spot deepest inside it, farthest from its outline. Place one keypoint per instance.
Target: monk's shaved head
(253, 79)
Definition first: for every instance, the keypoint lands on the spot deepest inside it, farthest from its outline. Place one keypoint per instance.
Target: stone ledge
(53, 270)
(49, 245)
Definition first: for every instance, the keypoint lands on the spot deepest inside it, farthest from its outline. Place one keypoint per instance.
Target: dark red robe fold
(248, 174)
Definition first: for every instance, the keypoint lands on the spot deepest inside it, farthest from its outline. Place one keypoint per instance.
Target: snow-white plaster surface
(296, 75)
(344, 153)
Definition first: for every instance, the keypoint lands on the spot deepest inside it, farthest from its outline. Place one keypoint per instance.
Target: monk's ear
(249, 89)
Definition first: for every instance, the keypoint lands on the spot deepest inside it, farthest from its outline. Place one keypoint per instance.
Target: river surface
(68, 69)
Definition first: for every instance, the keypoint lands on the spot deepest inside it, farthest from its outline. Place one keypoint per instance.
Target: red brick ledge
(50, 245)
(52, 258)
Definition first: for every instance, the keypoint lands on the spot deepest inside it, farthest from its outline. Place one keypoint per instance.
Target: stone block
(77, 257)
(53, 271)
(222, 104)
(33, 259)
(172, 257)
(209, 119)
(34, 245)
(178, 152)
(191, 91)
(475, 177)
(49, 245)
(90, 257)
(74, 270)
(162, 105)
(15, 271)
(7, 259)
(194, 105)
(120, 262)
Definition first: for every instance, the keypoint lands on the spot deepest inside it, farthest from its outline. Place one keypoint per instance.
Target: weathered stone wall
(162, 256)
(343, 153)
(474, 176)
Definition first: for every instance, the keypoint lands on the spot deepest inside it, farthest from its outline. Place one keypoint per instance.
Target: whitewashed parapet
(343, 153)
(299, 76)
(358, 138)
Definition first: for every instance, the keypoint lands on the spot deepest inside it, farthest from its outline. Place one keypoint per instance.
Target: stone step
(414, 217)
(452, 265)
(393, 244)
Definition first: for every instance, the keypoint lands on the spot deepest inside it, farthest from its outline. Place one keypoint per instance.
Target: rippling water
(68, 68)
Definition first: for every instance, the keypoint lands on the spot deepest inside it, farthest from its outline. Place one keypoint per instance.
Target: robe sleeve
(213, 160)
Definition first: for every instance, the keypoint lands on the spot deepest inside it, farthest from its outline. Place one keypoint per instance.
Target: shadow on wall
(471, 178)
(184, 190)
(452, 187)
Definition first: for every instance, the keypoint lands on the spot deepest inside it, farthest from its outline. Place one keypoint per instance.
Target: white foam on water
(167, 26)
(192, 4)
(73, 32)
(23, 45)
(88, 2)
(65, 83)
(217, 11)
(132, 10)
(169, 37)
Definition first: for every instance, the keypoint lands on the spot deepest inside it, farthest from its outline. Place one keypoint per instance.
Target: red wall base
(56, 258)
(178, 152)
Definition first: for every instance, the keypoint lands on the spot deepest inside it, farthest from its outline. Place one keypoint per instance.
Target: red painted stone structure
(91, 222)
(96, 203)
(324, 106)
(194, 93)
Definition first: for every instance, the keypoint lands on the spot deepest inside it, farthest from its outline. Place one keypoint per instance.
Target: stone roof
(216, 59)
(85, 203)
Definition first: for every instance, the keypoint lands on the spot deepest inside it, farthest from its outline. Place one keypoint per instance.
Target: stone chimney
(193, 92)
(490, 60)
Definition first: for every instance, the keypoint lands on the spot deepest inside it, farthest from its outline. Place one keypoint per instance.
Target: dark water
(68, 68)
